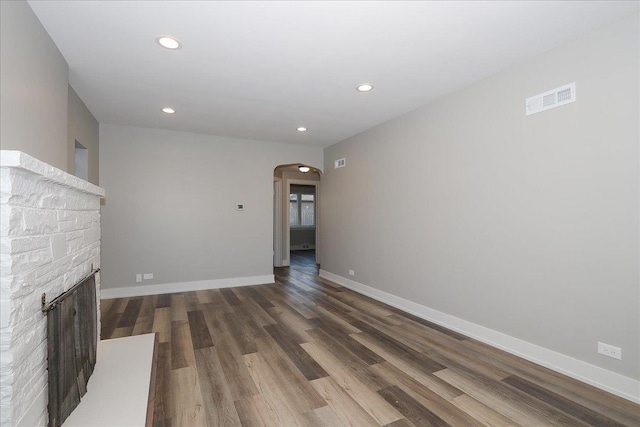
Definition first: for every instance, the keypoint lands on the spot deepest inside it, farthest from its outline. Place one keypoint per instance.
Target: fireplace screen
(72, 340)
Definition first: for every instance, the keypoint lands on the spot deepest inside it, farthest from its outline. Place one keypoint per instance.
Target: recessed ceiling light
(168, 42)
(302, 129)
(304, 169)
(168, 110)
(365, 87)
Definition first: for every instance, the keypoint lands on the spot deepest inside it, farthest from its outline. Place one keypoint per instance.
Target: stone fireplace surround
(50, 238)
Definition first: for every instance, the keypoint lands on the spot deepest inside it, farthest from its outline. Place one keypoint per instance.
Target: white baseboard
(603, 379)
(169, 288)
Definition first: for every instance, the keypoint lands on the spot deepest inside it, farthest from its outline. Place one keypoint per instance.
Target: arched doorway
(296, 189)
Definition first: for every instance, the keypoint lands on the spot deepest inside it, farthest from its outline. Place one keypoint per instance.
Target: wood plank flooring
(306, 351)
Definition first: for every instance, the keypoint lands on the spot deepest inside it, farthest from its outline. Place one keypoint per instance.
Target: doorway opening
(296, 198)
(81, 158)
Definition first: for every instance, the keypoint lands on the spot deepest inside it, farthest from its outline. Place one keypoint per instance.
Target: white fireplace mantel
(19, 160)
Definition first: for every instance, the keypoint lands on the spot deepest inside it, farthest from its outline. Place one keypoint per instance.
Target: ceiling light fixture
(168, 42)
(365, 87)
(304, 169)
(168, 110)
(302, 129)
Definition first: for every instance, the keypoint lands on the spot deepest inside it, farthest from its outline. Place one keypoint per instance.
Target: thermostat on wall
(239, 206)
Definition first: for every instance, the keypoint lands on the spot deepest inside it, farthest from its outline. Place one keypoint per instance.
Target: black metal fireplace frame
(47, 307)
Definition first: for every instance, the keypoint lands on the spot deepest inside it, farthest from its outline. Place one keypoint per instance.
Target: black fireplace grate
(72, 341)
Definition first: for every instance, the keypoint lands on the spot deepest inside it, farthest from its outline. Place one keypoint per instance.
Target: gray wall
(83, 127)
(525, 225)
(299, 176)
(301, 236)
(170, 205)
(34, 85)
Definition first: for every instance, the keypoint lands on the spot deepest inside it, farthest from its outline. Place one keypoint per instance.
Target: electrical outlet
(138, 278)
(610, 350)
(352, 273)
(148, 276)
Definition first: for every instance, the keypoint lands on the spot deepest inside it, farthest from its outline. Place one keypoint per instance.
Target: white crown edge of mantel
(19, 160)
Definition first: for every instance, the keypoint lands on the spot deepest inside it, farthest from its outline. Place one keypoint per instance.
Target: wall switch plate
(148, 276)
(138, 278)
(610, 350)
(352, 273)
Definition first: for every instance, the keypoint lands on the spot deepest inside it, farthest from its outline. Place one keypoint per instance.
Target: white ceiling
(259, 70)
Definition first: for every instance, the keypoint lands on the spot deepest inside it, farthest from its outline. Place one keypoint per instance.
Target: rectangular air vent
(340, 163)
(551, 99)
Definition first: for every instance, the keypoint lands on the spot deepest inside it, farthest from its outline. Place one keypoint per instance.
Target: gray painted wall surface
(170, 205)
(299, 176)
(301, 236)
(34, 84)
(83, 127)
(525, 225)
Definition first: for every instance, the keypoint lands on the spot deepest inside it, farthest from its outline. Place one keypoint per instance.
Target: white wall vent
(551, 99)
(340, 163)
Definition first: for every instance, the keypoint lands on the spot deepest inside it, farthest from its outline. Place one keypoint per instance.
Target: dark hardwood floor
(305, 351)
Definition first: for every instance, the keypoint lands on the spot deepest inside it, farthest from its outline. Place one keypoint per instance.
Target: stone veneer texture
(50, 239)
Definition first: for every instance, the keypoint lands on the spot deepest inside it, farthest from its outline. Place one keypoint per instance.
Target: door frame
(287, 239)
(277, 223)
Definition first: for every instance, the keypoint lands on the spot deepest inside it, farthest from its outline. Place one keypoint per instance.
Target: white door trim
(277, 222)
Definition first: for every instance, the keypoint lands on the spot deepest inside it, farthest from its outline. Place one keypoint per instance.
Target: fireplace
(72, 343)
(50, 241)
